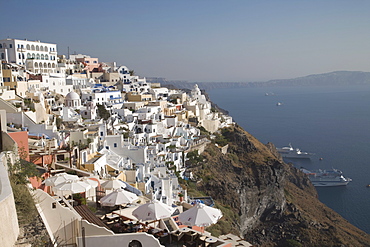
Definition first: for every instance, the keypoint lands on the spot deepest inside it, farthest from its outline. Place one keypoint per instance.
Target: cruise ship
(322, 178)
(290, 152)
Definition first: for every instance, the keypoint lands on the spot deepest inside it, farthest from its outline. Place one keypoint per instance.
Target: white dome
(72, 96)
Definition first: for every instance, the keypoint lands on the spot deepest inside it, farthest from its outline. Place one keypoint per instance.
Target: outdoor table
(203, 237)
(185, 229)
(112, 216)
(210, 241)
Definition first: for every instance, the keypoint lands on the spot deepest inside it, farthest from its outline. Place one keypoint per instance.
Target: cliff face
(276, 203)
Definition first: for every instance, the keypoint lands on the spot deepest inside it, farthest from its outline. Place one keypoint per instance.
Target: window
(28, 56)
(1, 46)
(10, 46)
(115, 145)
(135, 243)
(95, 62)
(19, 56)
(28, 47)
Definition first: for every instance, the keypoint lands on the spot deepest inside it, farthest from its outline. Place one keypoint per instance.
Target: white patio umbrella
(153, 210)
(113, 184)
(200, 215)
(118, 197)
(93, 183)
(60, 178)
(72, 187)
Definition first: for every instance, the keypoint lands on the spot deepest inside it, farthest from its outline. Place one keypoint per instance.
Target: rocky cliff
(272, 203)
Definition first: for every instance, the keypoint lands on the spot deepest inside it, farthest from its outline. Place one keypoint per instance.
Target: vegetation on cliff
(267, 201)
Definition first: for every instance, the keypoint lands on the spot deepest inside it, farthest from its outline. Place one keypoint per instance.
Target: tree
(102, 112)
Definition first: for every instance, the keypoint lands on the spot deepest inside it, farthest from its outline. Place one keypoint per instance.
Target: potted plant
(181, 196)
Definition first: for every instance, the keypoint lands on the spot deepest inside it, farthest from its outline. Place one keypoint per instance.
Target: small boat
(326, 178)
(279, 103)
(290, 152)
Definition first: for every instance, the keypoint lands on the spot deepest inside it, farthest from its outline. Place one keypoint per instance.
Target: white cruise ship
(290, 152)
(322, 178)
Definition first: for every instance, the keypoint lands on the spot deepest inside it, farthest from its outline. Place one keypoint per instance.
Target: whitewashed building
(37, 56)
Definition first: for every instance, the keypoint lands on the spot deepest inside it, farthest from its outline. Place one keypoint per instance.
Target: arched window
(49, 65)
(41, 48)
(33, 47)
(42, 56)
(38, 56)
(134, 243)
(19, 56)
(33, 55)
(46, 48)
(46, 57)
(22, 46)
(28, 47)
(37, 48)
(40, 64)
(45, 65)
(19, 46)
(53, 65)
(36, 65)
(28, 56)
(22, 55)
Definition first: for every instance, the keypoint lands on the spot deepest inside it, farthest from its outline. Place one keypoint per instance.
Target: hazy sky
(202, 40)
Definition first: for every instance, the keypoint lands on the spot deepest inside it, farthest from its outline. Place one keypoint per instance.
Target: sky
(202, 40)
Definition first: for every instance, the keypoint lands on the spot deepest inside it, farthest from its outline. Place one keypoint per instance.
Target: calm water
(332, 122)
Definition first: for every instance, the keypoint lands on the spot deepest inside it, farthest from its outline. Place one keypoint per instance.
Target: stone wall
(9, 222)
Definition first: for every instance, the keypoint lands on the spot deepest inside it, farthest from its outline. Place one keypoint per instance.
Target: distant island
(326, 79)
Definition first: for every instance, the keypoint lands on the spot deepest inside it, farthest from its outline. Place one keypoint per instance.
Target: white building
(37, 56)
(56, 83)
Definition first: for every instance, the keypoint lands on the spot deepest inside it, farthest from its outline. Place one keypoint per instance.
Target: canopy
(153, 210)
(60, 178)
(113, 184)
(118, 197)
(200, 215)
(73, 187)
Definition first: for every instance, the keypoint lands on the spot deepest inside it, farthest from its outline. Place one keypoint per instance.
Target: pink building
(92, 64)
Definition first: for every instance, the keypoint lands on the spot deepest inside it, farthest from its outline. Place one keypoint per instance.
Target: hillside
(332, 78)
(269, 202)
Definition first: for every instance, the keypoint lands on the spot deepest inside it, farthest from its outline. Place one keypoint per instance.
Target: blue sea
(331, 121)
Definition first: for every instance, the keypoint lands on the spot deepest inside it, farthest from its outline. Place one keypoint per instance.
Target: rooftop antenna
(68, 52)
